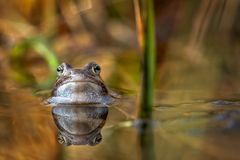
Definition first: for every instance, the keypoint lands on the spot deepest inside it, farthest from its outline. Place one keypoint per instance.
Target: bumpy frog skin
(79, 86)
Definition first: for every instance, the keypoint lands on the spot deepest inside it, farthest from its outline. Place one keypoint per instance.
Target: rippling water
(182, 129)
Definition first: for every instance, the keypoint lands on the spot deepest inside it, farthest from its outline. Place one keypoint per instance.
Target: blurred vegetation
(71, 31)
(149, 59)
(17, 62)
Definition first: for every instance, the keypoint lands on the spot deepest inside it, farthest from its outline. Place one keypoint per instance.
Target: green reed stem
(149, 59)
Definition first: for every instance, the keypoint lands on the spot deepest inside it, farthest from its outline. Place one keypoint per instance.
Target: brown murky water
(188, 123)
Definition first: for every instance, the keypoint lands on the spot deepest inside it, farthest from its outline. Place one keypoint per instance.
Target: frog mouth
(86, 83)
(81, 81)
(97, 85)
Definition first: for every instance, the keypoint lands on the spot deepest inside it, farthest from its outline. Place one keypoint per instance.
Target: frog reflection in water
(80, 86)
(79, 125)
(80, 99)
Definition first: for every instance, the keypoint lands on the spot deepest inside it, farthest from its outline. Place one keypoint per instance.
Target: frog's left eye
(96, 69)
(60, 69)
(96, 140)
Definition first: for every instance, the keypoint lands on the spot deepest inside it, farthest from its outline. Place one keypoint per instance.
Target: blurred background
(196, 107)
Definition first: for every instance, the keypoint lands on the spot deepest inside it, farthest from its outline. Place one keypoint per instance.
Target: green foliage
(20, 73)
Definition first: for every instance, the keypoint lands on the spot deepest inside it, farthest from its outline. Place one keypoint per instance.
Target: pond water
(192, 119)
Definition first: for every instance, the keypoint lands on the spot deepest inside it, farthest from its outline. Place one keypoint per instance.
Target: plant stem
(149, 58)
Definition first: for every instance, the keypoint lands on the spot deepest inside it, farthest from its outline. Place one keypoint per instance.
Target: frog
(80, 86)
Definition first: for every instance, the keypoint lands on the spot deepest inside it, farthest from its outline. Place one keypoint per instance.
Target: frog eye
(60, 69)
(96, 69)
(62, 140)
(96, 140)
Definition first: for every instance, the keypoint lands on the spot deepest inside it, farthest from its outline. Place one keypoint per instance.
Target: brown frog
(80, 86)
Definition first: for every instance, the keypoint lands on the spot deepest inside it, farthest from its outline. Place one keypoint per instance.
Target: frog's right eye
(60, 69)
(62, 140)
